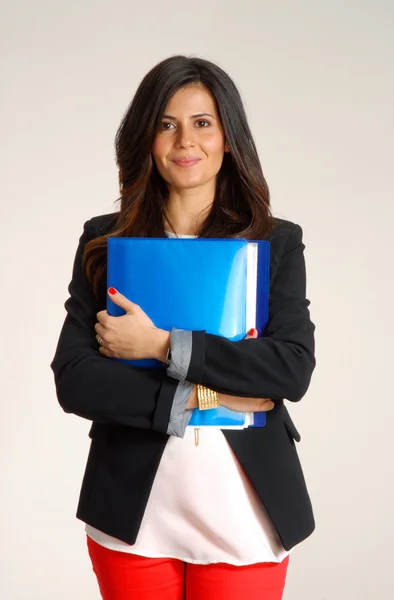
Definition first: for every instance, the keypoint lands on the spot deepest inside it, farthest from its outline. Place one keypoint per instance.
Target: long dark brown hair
(241, 207)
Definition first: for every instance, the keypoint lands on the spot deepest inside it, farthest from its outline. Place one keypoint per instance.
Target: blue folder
(191, 284)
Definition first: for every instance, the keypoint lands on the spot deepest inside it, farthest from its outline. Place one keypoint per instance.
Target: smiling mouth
(187, 163)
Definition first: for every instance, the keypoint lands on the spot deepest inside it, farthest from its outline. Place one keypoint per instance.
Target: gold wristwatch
(207, 398)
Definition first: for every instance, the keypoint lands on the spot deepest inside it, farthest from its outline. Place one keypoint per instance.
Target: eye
(204, 121)
(164, 126)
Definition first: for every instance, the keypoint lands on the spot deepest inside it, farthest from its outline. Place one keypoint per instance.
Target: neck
(187, 209)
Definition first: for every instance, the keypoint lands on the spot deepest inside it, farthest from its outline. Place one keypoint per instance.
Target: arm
(97, 388)
(277, 365)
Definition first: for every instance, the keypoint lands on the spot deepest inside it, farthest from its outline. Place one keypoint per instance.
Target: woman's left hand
(132, 336)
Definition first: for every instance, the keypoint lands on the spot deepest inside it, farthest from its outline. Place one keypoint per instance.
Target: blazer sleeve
(95, 387)
(277, 365)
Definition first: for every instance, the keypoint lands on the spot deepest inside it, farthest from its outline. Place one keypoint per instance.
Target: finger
(252, 333)
(105, 351)
(100, 329)
(121, 300)
(100, 340)
(267, 405)
(102, 316)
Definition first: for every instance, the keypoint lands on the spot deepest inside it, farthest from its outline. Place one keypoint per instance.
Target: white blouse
(202, 508)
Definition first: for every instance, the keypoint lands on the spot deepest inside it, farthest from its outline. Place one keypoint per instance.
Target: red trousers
(123, 576)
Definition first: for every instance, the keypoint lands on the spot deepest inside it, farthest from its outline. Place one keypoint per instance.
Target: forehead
(191, 99)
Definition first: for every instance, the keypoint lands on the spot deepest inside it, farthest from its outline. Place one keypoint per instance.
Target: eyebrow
(192, 117)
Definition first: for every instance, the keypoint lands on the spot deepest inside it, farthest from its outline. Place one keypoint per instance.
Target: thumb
(121, 300)
(252, 333)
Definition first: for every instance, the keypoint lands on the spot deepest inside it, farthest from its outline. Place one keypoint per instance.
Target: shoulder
(284, 235)
(282, 226)
(101, 224)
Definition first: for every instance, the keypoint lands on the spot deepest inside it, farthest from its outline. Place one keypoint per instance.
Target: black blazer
(130, 407)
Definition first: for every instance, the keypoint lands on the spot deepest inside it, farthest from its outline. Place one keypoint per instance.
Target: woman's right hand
(237, 403)
(246, 404)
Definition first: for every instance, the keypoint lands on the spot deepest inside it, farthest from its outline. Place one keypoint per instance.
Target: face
(189, 147)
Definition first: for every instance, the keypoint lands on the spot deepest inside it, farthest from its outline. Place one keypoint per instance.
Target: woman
(167, 519)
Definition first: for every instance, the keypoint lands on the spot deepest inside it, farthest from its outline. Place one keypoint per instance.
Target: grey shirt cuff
(180, 415)
(181, 353)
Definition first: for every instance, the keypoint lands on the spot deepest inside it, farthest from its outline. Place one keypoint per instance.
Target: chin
(191, 184)
(185, 184)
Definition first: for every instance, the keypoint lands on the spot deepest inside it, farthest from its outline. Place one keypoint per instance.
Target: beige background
(317, 81)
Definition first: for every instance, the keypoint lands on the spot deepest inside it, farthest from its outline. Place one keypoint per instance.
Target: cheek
(158, 149)
(215, 145)
(215, 151)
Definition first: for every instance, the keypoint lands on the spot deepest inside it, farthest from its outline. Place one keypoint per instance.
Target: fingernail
(252, 331)
(112, 290)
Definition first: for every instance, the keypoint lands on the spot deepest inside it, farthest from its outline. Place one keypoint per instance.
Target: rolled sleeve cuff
(180, 415)
(161, 417)
(181, 353)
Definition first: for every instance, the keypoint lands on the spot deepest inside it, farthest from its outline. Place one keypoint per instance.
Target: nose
(185, 137)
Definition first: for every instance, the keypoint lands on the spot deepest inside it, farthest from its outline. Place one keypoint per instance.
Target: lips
(187, 162)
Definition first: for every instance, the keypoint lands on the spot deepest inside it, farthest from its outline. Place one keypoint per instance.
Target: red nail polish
(112, 290)
(252, 331)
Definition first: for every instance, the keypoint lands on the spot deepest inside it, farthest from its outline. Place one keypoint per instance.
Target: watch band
(207, 398)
